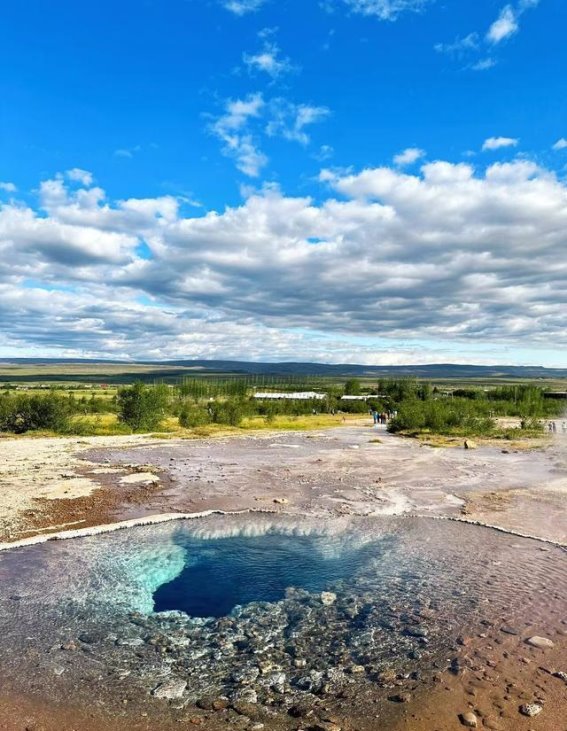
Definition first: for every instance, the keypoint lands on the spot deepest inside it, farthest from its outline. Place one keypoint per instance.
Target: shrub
(22, 413)
(143, 407)
(193, 416)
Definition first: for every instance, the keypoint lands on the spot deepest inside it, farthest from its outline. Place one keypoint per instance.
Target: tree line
(416, 406)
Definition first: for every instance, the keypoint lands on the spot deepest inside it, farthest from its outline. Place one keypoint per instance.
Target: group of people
(382, 417)
(552, 427)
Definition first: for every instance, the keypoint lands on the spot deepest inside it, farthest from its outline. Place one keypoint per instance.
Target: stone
(281, 501)
(541, 642)
(324, 726)
(219, 704)
(300, 710)
(469, 444)
(468, 719)
(561, 675)
(171, 689)
(90, 638)
(531, 709)
(400, 698)
(328, 598)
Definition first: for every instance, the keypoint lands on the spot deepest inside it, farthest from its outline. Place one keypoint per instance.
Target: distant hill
(9, 368)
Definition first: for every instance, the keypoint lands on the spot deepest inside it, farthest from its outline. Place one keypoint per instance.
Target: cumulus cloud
(78, 175)
(497, 143)
(387, 9)
(244, 120)
(243, 7)
(560, 144)
(448, 255)
(8, 187)
(409, 156)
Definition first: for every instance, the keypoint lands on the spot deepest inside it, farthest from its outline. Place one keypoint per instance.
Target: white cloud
(507, 23)
(409, 156)
(78, 175)
(450, 255)
(325, 152)
(238, 143)
(484, 64)
(127, 152)
(386, 9)
(497, 143)
(8, 187)
(269, 59)
(459, 45)
(560, 144)
(290, 120)
(504, 26)
(243, 7)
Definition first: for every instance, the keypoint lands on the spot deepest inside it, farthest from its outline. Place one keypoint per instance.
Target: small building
(291, 396)
(363, 398)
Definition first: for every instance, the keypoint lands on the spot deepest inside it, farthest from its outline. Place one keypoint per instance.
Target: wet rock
(328, 598)
(277, 682)
(468, 719)
(246, 695)
(531, 709)
(541, 642)
(171, 689)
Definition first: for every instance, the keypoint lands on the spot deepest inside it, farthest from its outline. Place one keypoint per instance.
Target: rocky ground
(482, 675)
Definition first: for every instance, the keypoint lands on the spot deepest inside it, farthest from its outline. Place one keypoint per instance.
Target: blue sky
(252, 142)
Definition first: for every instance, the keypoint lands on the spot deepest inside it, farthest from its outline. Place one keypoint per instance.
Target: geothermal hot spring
(261, 609)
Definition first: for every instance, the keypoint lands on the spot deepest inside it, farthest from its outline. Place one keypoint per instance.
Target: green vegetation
(211, 404)
(468, 412)
(143, 407)
(20, 413)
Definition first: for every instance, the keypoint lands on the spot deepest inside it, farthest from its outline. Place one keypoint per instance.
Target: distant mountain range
(432, 371)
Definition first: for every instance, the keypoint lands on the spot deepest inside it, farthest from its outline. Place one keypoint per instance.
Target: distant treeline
(414, 406)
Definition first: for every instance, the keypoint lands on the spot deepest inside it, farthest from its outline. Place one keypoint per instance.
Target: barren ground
(50, 485)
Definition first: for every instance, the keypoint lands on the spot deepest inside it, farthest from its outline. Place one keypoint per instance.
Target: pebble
(400, 698)
(468, 719)
(531, 709)
(171, 689)
(561, 675)
(541, 642)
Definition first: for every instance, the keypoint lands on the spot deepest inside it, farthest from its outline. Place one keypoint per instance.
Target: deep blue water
(226, 572)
